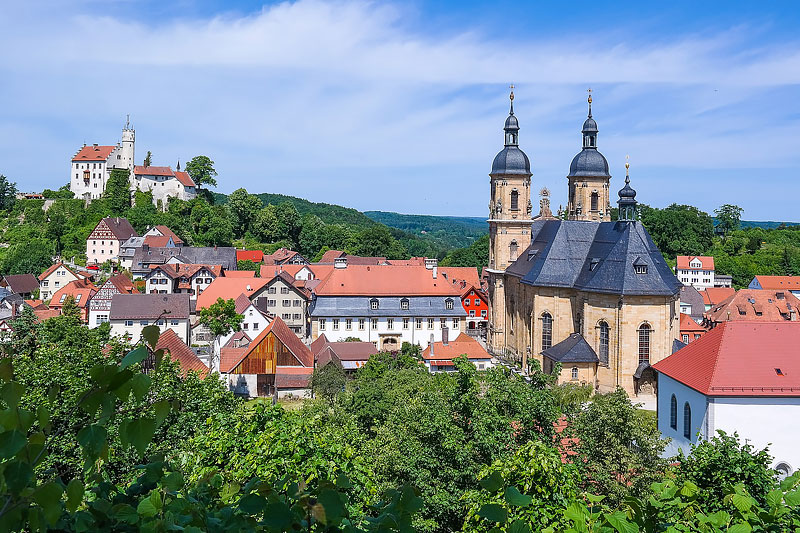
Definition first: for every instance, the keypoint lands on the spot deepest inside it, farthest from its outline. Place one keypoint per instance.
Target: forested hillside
(448, 231)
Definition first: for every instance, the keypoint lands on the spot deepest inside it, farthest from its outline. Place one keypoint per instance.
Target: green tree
(377, 241)
(8, 193)
(201, 170)
(148, 160)
(328, 381)
(56, 228)
(678, 229)
(33, 257)
(728, 218)
(475, 255)
(25, 333)
(244, 209)
(117, 193)
(265, 224)
(220, 318)
(248, 265)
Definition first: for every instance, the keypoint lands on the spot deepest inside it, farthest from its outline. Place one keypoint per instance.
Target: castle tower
(128, 143)
(509, 220)
(589, 178)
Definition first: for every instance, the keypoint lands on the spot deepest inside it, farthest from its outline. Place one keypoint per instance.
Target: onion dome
(511, 160)
(589, 162)
(627, 197)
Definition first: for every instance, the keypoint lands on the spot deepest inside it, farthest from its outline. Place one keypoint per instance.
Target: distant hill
(457, 232)
(766, 224)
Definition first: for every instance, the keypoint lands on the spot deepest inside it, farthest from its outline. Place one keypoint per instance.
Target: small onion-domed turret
(589, 162)
(511, 160)
(627, 198)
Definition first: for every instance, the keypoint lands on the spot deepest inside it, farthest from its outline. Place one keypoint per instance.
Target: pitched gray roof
(690, 296)
(120, 227)
(359, 306)
(149, 306)
(573, 349)
(595, 257)
(22, 283)
(209, 255)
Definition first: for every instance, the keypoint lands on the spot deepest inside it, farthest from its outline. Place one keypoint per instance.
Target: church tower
(509, 220)
(128, 144)
(589, 178)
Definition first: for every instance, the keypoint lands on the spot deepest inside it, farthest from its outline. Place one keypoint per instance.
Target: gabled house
(23, 284)
(180, 352)
(274, 364)
(350, 356)
(131, 313)
(254, 322)
(476, 304)
(81, 291)
(577, 358)
(439, 355)
(690, 329)
(256, 256)
(100, 303)
(282, 297)
(164, 183)
(163, 231)
(145, 257)
(284, 256)
(777, 283)
(696, 271)
(713, 296)
(180, 278)
(56, 277)
(106, 239)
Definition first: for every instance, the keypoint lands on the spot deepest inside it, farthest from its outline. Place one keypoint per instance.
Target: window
(129, 322)
(466, 302)
(642, 269)
(361, 324)
(472, 313)
(348, 324)
(448, 304)
(644, 343)
(687, 421)
(477, 301)
(430, 323)
(335, 323)
(483, 313)
(685, 338)
(272, 290)
(272, 303)
(160, 322)
(296, 303)
(443, 323)
(296, 316)
(287, 316)
(390, 323)
(696, 336)
(143, 322)
(244, 326)
(456, 325)
(286, 303)
(604, 330)
(63, 297)
(404, 304)
(284, 290)
(405, 323)
(514, 200)
(575, 372)
(373, 304)
(547, 331)
(374, 323)
(418, 323)
(321, 323)
(594, 201)
(99, 319)
(673, 412)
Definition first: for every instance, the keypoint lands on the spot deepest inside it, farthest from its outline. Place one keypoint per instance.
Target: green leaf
(75, 492)
(140, 432)
(792, 498)
(155, 499)
(48, 496)
(493, 482)
(137, 355)
(576, 512)
(43, 414)
(619, 521)
(742, 502)
(173, 482)
(741, 527)
(17, 476)
(518, 526)
(11, 442)
(278, 516)
(516, 498)
(162, 410)
(493, 512)
(6, 369)
(774, 498)
(11, 393)
(252, 504)
(146, 508)
(229, 490)
(332, 505)
(92, 439)
(151, 334)
(125, 513)
(140, 384)
(342, 482)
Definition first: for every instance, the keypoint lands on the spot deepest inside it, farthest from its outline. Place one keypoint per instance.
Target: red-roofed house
(56, 277)
(284, 256)
(690, 330)
(777, 283)
(100, 303)
(276, 359)
(178, 278)
(695, 270)
(716, 295)
(740, 376)
(81, 291)
(164, 183)
(91, 166)
(180, 352)
(256, 256)
(754, 306)
(163, 231)
(254, 322)
(439, 356)
(349, 355)
(476, 304)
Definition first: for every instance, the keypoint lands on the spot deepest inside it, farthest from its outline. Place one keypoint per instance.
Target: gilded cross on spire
(590, 100)
(511, 97)
(627, 168)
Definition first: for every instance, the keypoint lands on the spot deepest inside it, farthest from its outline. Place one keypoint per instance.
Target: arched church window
(514, 200)
(604, 330)
(644, 343)
(673, 412)
(547, 331)
(595, 198)
(687, 421)
(513, 250)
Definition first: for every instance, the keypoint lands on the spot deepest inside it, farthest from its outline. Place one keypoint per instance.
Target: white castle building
(91, 168)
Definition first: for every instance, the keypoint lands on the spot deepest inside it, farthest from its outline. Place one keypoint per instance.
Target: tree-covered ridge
(449, 231)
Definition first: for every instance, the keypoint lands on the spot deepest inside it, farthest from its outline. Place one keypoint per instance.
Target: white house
(131, 313)
(164, 183)
(438, 356)
(54, 278)
(386, 305)
(180, 278)
(739, 377)
(91, 166)
(100, 303)
(696, 271)
(106, 240)
(254, 322)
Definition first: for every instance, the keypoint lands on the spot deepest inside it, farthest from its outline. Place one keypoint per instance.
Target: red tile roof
(234, 356)
(119, 227)
(82, 290)
(740, 359)
(21, 283)
(164, 230)
(93, 153)
(345, 351)
(331, 255)
(122, 283)
(53, 268)
(756, 305)
(715, 295)
(46, 313)
(684, 260)
(180, 352)
(688, 325)
(320, 271)
(462, 345)
(157, 241)
(239, 273)
(385, 280)
(468, 275)
(779, 282)
(185, 179)
(153, 171)
(228, 288)
(256, 256)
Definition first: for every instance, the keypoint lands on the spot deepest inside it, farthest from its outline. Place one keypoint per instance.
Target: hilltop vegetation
(449, 231)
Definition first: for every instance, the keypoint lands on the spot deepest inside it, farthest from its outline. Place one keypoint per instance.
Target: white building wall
(159, 283)
(163, 188)
(101, 250)
(697, 278)
(133, 328)
(700, 414)
(375, 332)
(253, 324)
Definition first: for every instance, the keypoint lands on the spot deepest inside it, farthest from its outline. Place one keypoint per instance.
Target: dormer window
(404, 304)
(373, 304)
(593, 262)
(448, 304)
(640, 269)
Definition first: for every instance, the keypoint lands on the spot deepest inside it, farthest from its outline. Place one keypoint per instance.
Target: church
(592, 294)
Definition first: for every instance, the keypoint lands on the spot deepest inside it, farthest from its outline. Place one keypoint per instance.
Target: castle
(91, 168)
(592, 294)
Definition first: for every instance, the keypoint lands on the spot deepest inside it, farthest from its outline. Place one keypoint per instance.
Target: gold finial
(627, 164)
(511, 96)
(590, 94)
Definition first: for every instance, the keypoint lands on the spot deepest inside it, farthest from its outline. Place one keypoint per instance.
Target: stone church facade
(593, 295)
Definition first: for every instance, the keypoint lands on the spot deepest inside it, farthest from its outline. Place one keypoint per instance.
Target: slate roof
(740, 359)
(22, 283)
(149, 306)
(594, 257)
(690, 296)
(573, 349)
(359, 306)
(224, 256)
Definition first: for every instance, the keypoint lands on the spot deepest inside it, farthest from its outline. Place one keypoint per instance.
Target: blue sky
(399, 106)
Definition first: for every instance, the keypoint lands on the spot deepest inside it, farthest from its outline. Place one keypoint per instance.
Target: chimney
(431, 344)
(340, 262)
(431, 263)
(435, 271)
(445, 336)
(793, 315)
